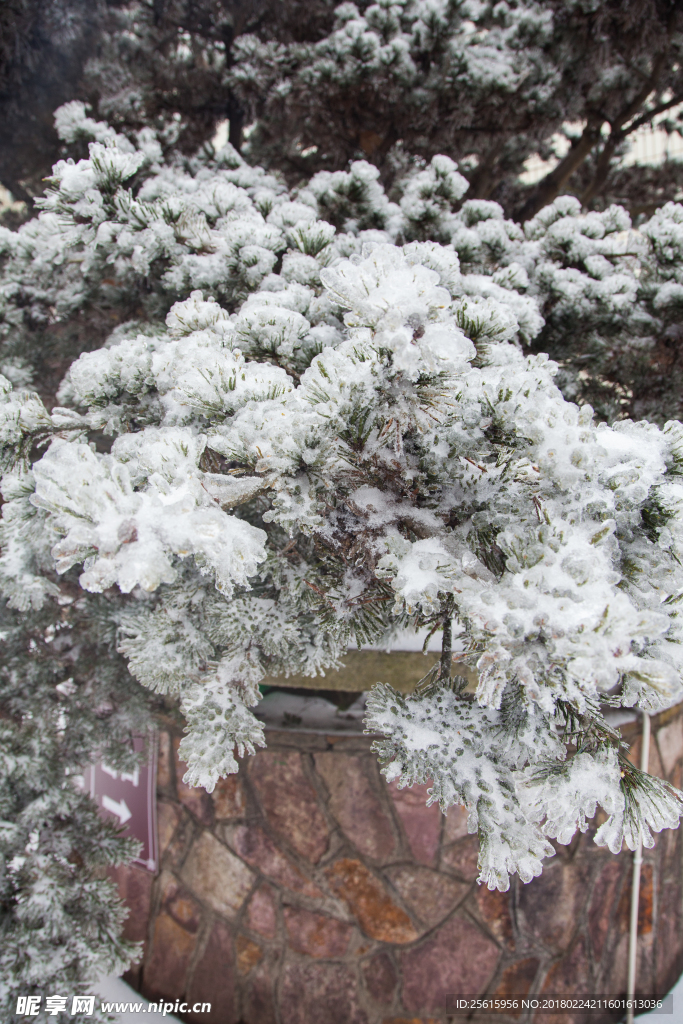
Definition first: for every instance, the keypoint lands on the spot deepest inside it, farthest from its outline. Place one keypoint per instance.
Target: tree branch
(550, 186)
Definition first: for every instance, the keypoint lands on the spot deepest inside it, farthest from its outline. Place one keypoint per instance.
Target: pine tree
(320, 83)
(487, 83)
(66, 700)
(321, 428)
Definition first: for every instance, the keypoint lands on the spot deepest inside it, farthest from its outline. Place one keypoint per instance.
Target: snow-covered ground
(116, 990)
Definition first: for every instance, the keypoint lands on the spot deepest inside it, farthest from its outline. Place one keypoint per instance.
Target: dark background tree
(319, 83)
(43, 47)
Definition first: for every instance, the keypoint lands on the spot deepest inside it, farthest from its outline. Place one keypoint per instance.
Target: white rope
(635, 887)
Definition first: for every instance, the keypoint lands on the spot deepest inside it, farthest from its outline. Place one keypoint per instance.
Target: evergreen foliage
(488, 83)
(250, 415)
(321, 428)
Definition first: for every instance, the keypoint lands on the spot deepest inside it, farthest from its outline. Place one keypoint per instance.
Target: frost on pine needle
(326, 425)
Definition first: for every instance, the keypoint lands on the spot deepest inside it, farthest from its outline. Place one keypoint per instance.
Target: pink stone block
(168, 816)
(261, 913)
(422, 824)
(551, 906)
(213, 979)
(355, 804)
(259, 1005)
(457, 959)
(290, 802)
(258, 849)
(316, 934)
(427, 894)
(319, 993)
(462, 858)
(135, 889)
(380, 978)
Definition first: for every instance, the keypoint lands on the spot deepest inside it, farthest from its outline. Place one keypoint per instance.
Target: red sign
(130, 798)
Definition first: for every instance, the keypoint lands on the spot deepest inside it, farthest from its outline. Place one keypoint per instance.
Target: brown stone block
(369, 902)
(217, 876)
(316, 934)
(613, 981)
(289, 801)
(494, 908)
(248, 954)
(135, 889)
(552, 904)
(197, 801)
(569, 977)
(355, 805)
(228, 799)
(168, 816)
(605, 892)
(166, 964)
(165, 766)
(517, 980)
(177, 902)
(670, 743)
(457, 960)
(380, 978)
(645, 900)
(427, 894)
(422, 824)
(213, 979)
(259, 850)
(181, 840)
(261, 913)
(462, 858)
(668, 944)
(319, 994)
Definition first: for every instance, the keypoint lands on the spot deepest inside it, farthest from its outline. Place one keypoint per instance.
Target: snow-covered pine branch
(333, 432)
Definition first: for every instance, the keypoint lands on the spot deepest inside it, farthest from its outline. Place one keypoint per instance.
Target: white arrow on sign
(120, 809)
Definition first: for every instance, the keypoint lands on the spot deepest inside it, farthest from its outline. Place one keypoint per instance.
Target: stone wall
(307, 891)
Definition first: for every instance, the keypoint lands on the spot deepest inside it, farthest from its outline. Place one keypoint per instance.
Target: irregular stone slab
(355, 805)
(457, 960)
(316, 934)
(380, 978)
(429, 895)
(261, 913)
(217, 876)
(517, 979)
(168, 816)
(422, 824)
(290, 802)
(213, 979)
(248, 954)
(257, 848)
(319, 994)
(228, 799)
(494, 908)
(369, 902)
(462, 858)
(165, 969)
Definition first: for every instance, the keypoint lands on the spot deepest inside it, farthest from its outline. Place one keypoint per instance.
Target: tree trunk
(551, 186)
